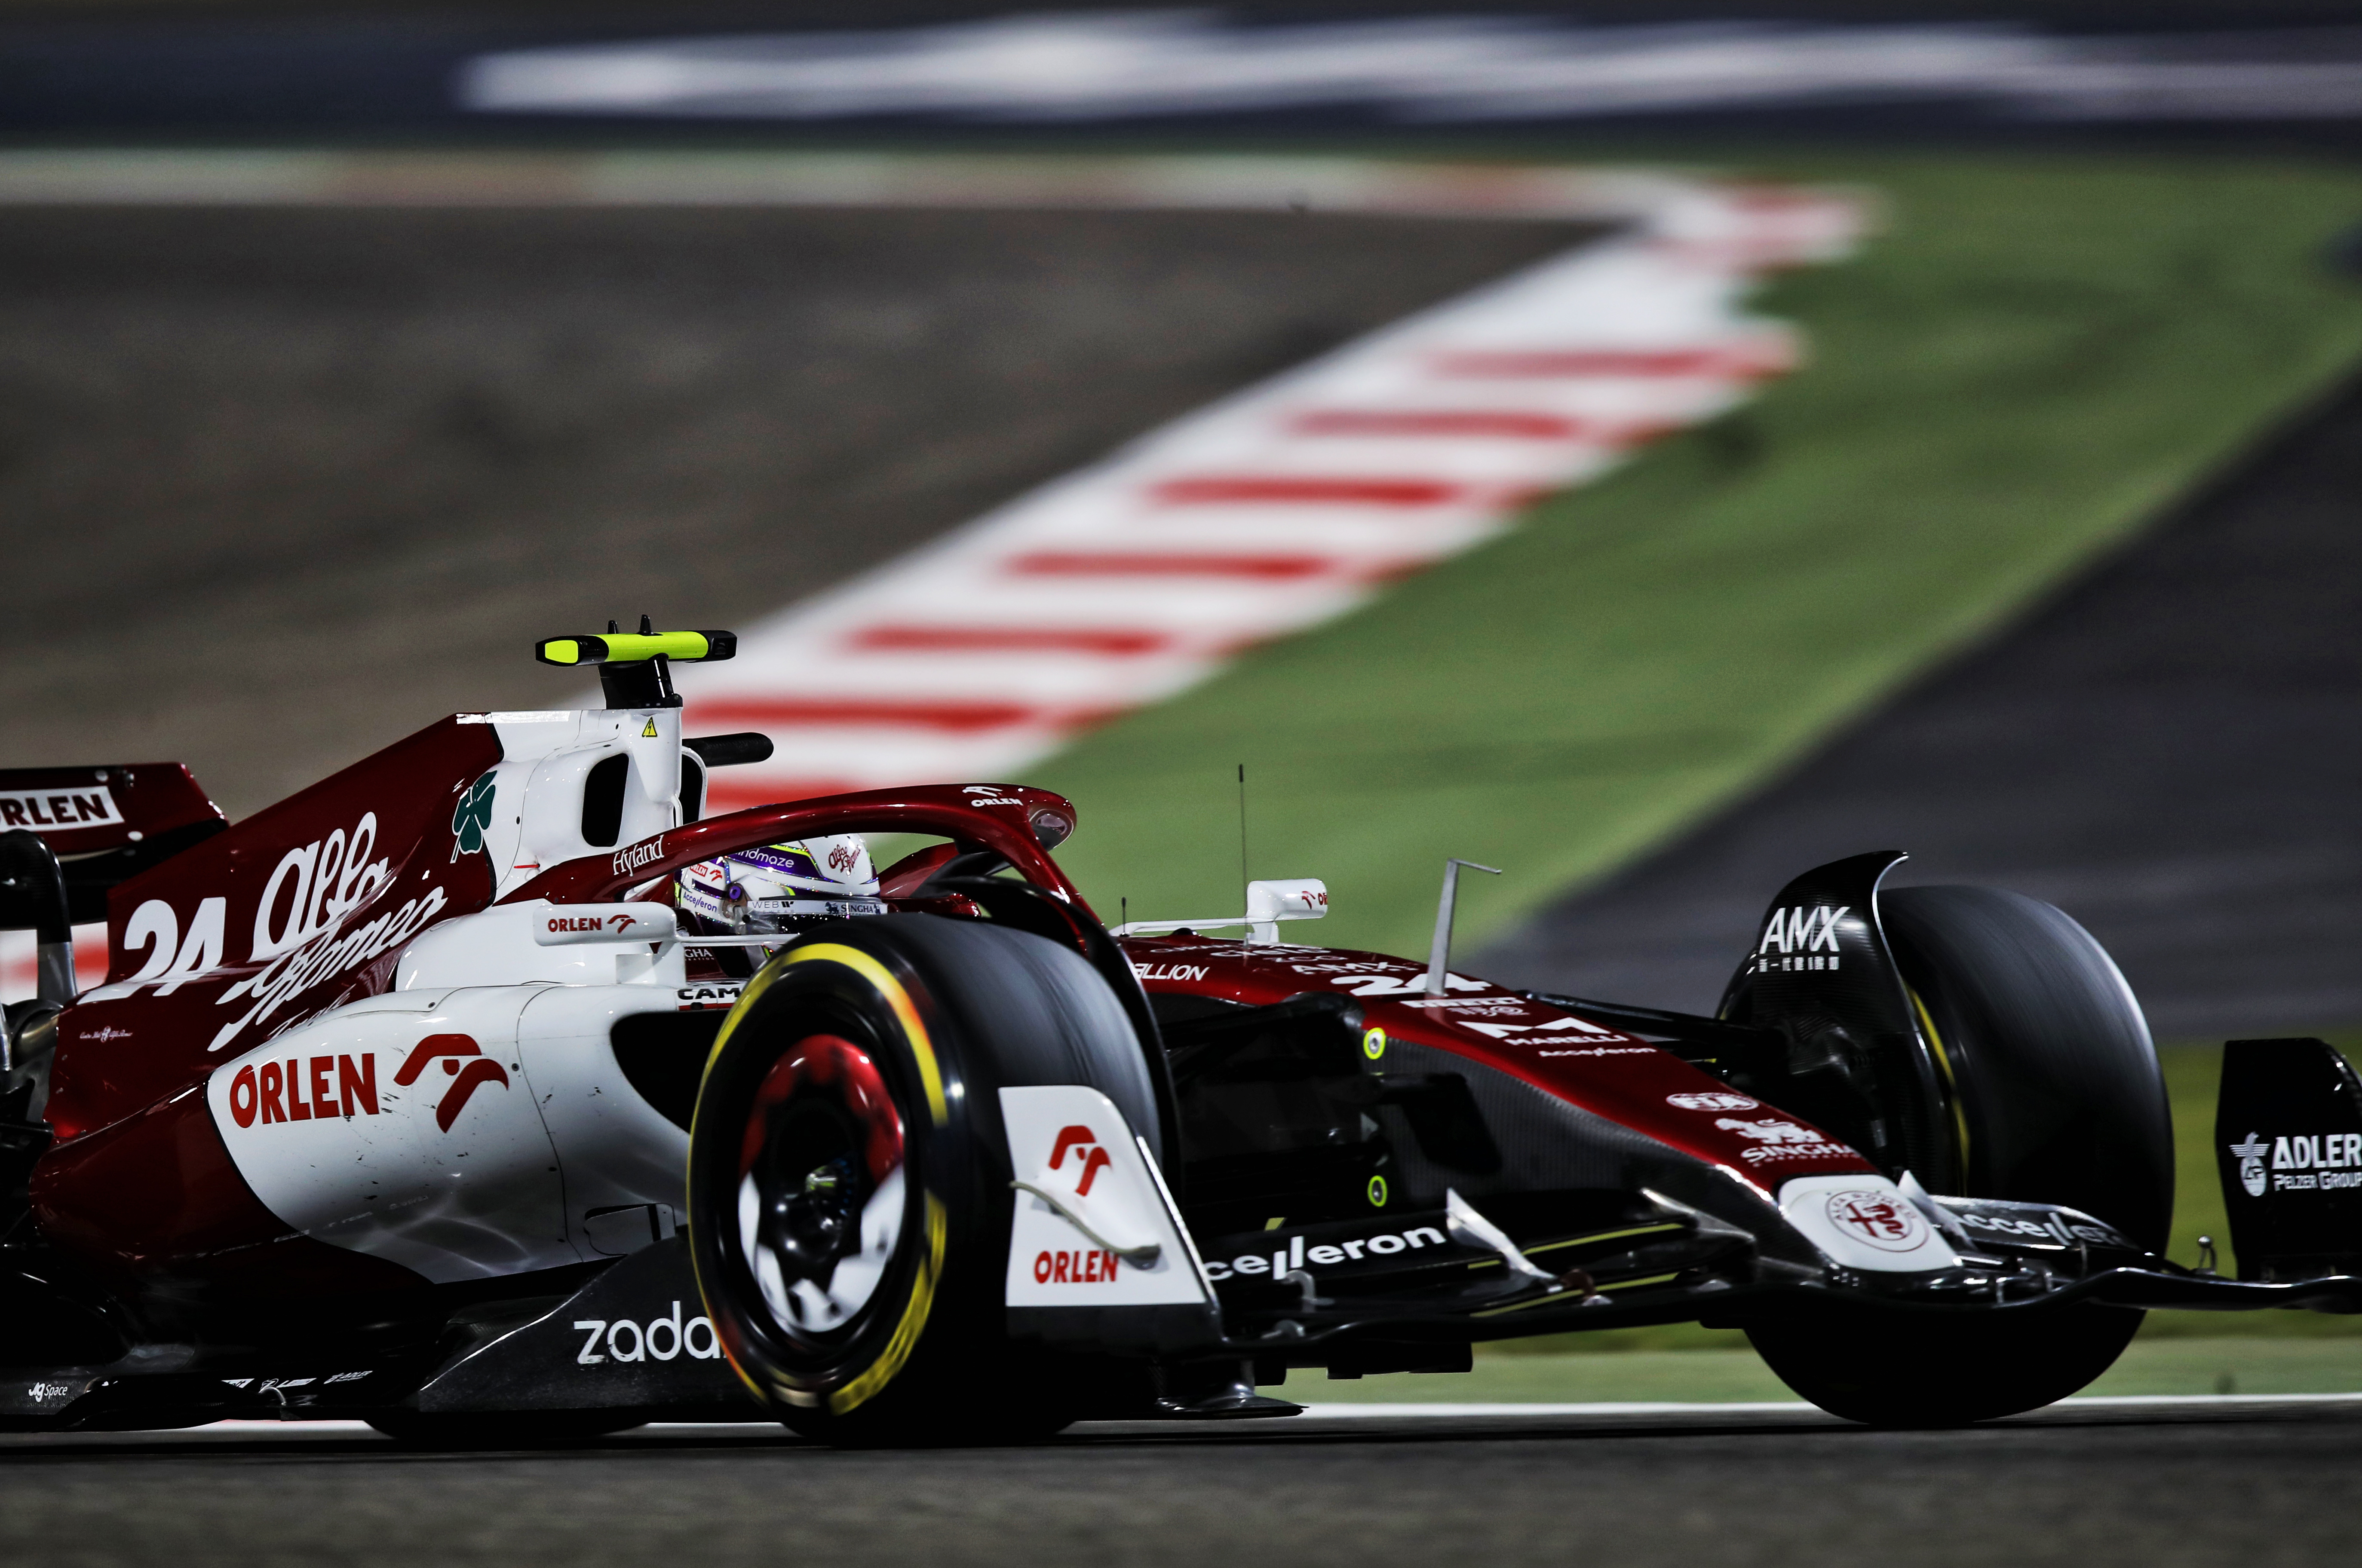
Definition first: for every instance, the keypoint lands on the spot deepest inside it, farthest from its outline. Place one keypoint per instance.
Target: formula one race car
(465, 1093)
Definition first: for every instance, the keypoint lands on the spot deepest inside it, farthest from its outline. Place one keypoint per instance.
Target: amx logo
(1801, 938)
(1089, 1157)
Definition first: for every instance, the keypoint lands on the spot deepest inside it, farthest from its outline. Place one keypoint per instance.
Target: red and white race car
(422, 1097)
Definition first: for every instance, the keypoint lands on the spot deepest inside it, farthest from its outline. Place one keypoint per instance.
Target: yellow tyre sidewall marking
(923, 1051)
(1951, 1085)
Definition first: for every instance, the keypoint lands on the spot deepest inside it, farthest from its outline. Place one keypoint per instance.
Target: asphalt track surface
(279, 486)
(2232, 1481)
(2169, 748)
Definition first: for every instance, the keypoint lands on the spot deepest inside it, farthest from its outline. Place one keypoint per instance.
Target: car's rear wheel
(849, 1178)
(2051, 1091)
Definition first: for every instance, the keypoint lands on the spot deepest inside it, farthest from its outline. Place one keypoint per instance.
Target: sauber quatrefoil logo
(461, 1057)
(1090, 1159)
(472, 817)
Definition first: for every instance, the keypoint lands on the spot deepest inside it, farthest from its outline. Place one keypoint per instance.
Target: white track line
(1278, 508)
(1282, 505)
(1494, 1411)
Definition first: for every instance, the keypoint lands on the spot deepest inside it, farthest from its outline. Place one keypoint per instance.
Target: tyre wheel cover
(821, 1189)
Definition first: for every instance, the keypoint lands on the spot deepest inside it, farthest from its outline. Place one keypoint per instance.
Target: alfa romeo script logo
(1880, 1219)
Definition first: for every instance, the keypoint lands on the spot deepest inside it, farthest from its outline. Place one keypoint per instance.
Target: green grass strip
(2038, 355)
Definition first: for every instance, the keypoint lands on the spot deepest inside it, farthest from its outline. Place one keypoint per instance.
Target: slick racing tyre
(2056, 1096)
(2053, 1095)
(849, 1199)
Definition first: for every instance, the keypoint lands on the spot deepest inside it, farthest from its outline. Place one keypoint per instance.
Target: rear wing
(105, 825)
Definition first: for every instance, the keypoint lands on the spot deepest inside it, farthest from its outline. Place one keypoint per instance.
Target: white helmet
(751, 891)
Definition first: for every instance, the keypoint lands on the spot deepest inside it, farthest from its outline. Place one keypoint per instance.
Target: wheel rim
(822, 1188)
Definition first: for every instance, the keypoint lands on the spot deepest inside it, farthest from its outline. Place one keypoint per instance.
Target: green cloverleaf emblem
(472, 816)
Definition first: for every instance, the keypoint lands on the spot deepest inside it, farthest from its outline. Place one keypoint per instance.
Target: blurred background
(1651, 447)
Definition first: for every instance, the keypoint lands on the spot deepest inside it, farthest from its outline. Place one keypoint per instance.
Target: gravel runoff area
(283, 484)
(2167, 748)
(2253, 1482)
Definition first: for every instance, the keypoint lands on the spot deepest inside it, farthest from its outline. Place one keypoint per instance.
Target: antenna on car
(1243, 823)
(635, 669)
(1439, 957)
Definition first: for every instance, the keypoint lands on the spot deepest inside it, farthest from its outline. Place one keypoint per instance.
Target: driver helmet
(752, 891)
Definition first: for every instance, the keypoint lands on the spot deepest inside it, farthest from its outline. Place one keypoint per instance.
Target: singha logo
(1771, 1130)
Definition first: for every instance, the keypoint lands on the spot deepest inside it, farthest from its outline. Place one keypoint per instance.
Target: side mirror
(1306, 898)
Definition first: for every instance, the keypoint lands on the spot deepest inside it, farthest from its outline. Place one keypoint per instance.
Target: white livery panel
(1093, 1227)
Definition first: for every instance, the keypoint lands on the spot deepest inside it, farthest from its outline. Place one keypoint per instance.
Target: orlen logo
(1880, 1219)
(68, 807)
(299, 1089)
(590, 923)
(1071, 1265)
(633, 856)
(1089, 1158)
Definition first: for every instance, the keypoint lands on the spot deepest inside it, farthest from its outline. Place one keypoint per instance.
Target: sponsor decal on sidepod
(1285, 1261)
(2300, 1161)
(1074, 1153)
(300, 1091)
(606, 1339)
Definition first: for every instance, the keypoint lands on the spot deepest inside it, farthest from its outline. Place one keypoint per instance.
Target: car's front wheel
(2049, 1088)
(849, 1178)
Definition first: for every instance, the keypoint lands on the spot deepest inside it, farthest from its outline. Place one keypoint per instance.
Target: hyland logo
(1800, 938)
(633, 856)
(1089, 1157)
(1711, 1100)
(1881, 1219)
(2305, 1162)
